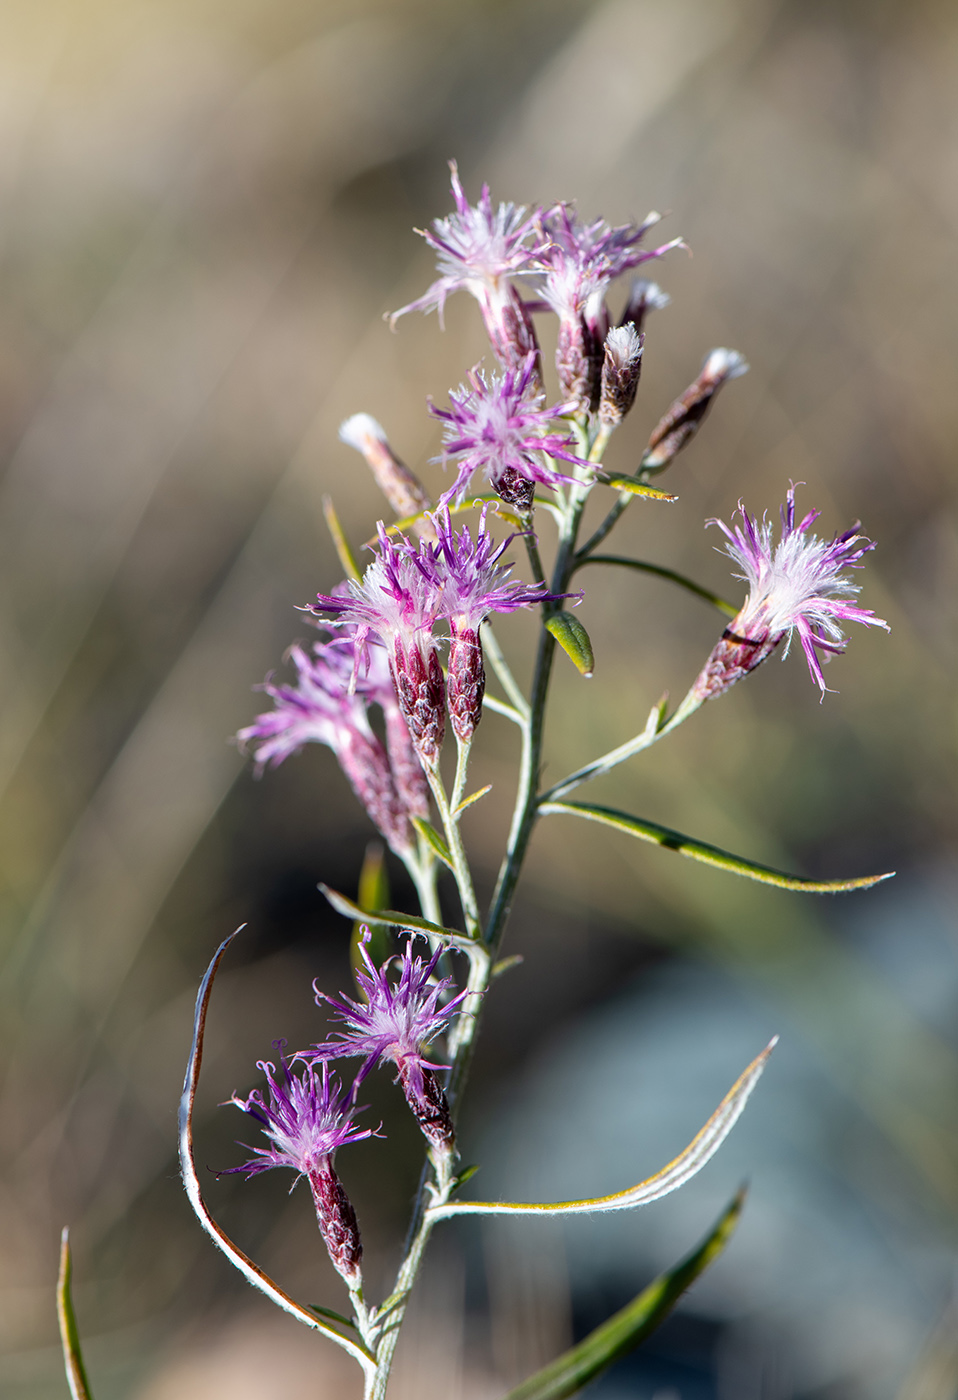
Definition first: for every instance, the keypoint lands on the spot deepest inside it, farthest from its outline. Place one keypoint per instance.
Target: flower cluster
(308, 1116)
(797, 585)
(404, 593)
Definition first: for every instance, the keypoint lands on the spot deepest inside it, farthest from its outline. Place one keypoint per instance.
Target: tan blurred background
(207, 208)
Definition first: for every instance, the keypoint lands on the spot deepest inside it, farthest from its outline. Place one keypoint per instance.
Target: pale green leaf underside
(686, 1165)
(69, 1332)
(702, 851)
(636, 488)
(240, 1261)
(626, 1329)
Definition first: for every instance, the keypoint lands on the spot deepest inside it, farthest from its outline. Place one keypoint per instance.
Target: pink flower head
(306, 1119)
(499, 426)
(577, 269)
(480, 248)
(324, 706)
(796, 585)
(399, 605)
(396, 1021)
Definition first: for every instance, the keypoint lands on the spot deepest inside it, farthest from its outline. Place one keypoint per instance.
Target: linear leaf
(701, 851)
(69, 1332)
(432, 838)
(573, 639)
(636, 488)
(626, 1329)
(373, 894)
(346, 557)
(251, 1271)
(395, 919)
(686, 1165)
(624, 562)
(473, 797)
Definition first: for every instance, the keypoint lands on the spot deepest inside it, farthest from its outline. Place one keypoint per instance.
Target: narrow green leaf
(506, 964)
(346, 557)
(690, 585)
(432, 838)
(636, 488)
(473, 797)
(395, 919)
(573, 639)
(626, 1329)
(69, 1332)
(332, 1315)
(373, 894)
(701, 851)
(465, 1175)
(502, 510)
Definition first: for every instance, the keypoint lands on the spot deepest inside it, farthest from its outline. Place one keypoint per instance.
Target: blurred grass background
(207, 208)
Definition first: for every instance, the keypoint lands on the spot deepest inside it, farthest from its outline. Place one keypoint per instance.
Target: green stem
(649, 736)
(460, 863)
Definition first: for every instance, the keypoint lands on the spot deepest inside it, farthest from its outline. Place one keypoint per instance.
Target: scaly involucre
(797, 585)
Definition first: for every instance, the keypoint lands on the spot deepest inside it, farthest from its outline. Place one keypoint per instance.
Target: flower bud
(466, 683)
(337, 1221)
(401, 487)
(683, 419)
(621, 368)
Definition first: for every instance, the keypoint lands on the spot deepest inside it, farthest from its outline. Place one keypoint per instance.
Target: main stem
(391, 1315)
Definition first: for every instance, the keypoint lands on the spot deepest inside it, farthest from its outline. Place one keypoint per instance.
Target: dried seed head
(401, 487)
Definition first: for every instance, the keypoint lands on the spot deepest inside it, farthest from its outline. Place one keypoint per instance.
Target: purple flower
(499, 426)
(577, 269)
(324, 707)
(307, 1118)
(400, 605)
(474, 584)
(397, 1019)
(796, 585)
(479, 249)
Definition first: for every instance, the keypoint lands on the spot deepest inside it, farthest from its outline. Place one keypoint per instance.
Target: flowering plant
(410, 637)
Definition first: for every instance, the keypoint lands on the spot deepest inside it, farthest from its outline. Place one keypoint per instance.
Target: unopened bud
(337, 1221)
(466, 680)
(427, 1099)
(645, 296)
(683, 419)
(401, 487)
(421, 692)
(515, 489)
(621, 368)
